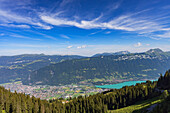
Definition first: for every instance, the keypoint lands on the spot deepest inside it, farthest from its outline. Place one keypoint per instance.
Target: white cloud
(132, 22)
(129, 22)
(64, 36)
(165, 35)
(62, 50)
(83, 46)
(147, 44)
(69, 47)
(23, 37)
(11, 17)
(18, 45)
(64, 22)
(6, 18)
(108, 32)
(42, 26)
(16, 26)
(42, 35)
(97, 32)
(2, 34)
(138, 44)
(80, 47)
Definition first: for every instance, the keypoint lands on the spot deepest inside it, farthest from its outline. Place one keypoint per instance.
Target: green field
(17, 82)
(138, 107)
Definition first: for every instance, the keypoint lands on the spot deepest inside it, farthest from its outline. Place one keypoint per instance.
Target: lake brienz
(120, 85)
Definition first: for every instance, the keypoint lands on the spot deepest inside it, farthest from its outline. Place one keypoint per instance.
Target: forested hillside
(163, 85)
(131, 66)
(164, 81)
(20, 66)
(21, 103)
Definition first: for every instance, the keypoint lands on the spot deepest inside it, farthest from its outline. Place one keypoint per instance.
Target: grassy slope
(138, 107)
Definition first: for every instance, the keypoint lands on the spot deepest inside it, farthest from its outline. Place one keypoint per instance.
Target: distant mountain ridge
(116, 53)
(20, 66)
(157, 50)
(145, 65)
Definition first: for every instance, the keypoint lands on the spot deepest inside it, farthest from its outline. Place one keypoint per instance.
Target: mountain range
(20, 66)
(133, 66)
(116, 53)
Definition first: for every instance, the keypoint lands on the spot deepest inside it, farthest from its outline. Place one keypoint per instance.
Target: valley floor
(53, 92)
(65, 91)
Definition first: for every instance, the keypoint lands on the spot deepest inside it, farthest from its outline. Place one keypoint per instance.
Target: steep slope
(20, 66)
(131, 66)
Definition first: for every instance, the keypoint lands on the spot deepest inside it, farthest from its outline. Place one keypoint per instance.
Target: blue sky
(83, 27)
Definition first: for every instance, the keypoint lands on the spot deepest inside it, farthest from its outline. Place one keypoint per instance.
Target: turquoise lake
(120, 85)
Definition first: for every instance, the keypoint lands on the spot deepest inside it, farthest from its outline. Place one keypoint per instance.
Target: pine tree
(7, 106)
(42, 108)
(124, 102)
(23, 106)
(0, 109)
(146, 92)
(2, 100)
(130, 97)
(134, 94)
(36, 107)
(47, 110)
(18, 109)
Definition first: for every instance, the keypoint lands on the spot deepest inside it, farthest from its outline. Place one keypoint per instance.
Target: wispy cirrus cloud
(65, 36)
(15, 26)
(23, 37)
(165, 35)
(8, 17)
(26, 45)
(142, 22)
(132, 22)
(93, 33)
(46, 36)
(107, 32)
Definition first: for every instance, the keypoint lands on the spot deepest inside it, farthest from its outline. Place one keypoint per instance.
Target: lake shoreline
(122, 84)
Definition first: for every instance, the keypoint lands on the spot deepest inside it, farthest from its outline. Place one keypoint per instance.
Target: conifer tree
(0, 109)
(36, 107)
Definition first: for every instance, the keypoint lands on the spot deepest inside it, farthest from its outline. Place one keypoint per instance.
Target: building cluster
(54, 92)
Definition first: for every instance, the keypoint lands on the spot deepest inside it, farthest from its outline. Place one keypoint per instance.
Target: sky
(83, 27)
